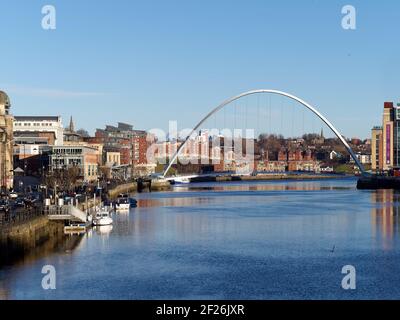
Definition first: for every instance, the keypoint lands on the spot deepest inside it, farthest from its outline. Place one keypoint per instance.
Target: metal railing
(17, 216)
(14, 217)
(56, 210)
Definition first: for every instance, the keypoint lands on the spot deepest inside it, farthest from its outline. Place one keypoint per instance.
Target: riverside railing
(14, 217)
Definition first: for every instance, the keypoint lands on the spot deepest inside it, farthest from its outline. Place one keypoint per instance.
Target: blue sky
(147, 62)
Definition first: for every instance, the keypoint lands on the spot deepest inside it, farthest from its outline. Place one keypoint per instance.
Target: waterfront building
(385, 140)
(132, 145)
(25, 151)
(271, 166)
(377, 149)
(84, 158)
(98, 147)
(33, 158)
(364, 158)
(112, 159)
(388, 133)
(6, 143)
(44, 129)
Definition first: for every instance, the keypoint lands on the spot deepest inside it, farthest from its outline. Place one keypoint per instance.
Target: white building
(33, 127)
(26, 150)
(363, 158)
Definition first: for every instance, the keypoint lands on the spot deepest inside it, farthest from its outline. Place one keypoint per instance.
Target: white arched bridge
(275, 92)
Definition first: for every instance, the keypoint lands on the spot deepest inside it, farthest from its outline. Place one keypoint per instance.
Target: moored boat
(102, 218)
(122, 204)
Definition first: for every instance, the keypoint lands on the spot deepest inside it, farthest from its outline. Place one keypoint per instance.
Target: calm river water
(257, 240)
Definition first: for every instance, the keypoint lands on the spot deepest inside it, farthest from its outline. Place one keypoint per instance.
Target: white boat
(182, 180)
(122, 204)
(102, 218)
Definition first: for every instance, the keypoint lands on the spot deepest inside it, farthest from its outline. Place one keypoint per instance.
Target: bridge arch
(276, 92)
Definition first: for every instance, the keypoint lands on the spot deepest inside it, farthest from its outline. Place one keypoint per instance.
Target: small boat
(182, 180)
(122, 204)
(102, 218)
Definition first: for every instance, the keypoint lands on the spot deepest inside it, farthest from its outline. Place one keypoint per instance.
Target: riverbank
(22, 239)
(30, 232)
(123, 188)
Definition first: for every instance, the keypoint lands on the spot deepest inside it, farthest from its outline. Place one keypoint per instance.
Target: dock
(378, 182)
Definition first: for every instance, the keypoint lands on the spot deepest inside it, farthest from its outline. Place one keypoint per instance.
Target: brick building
(132, 145)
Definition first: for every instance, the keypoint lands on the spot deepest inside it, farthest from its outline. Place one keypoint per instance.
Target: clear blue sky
(146, 62)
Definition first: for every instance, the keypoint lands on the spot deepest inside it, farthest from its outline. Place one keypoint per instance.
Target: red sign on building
(388, 142)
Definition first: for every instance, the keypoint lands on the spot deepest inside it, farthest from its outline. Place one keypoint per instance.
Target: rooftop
(37, 118)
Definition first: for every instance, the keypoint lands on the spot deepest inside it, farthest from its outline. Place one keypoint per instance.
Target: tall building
(6, 143)
(385, 142)
(388, 136)
(376, 148)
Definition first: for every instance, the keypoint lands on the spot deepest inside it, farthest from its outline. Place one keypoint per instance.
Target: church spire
(71, 127)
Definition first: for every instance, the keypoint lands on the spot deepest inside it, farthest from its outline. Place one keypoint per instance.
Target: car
(13, 195)
(19, 203)
(4, 206)
(30, 201)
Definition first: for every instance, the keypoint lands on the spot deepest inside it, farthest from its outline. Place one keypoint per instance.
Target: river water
(236, 240)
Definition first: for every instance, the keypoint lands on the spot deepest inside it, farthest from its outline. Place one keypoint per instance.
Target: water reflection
(60, 244)
(261, 186)
(385, 216)
(103, 230)
(199, 194)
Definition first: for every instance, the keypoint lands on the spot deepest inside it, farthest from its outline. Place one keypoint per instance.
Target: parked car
(4, 206)
(13, 195)
(20, 203)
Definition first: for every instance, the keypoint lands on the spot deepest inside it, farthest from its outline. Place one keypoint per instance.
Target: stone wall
(18, 240)
(123, 188)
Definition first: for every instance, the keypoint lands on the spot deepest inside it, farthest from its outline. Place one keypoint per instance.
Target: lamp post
(25, 165)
